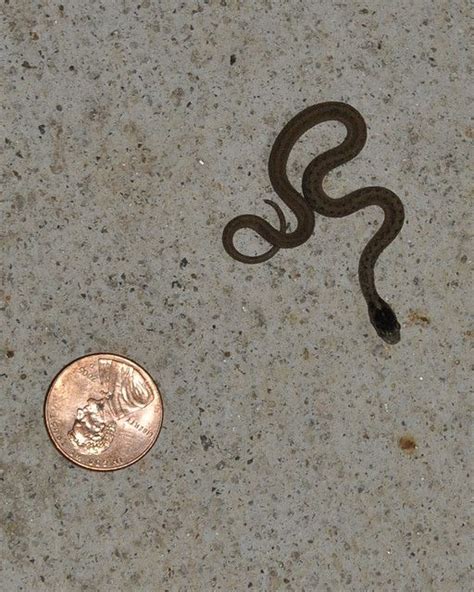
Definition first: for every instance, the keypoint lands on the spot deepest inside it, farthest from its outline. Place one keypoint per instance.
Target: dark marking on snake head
(385, 322)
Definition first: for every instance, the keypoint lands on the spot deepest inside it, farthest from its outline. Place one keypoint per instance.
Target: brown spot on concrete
(407, 444)
(5, 297)
(418, 318)
(177, 96)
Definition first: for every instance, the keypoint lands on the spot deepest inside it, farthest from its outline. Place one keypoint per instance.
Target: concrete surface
(131, 132)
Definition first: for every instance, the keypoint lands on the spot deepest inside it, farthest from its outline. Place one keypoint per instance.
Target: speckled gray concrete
(130, 135)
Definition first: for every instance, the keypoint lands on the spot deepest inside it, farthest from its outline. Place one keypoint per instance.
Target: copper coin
(103, 412)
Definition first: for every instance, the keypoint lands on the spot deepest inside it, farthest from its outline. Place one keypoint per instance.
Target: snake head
(385, 322)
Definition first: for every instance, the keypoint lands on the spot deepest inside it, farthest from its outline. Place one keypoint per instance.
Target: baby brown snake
(314, 199)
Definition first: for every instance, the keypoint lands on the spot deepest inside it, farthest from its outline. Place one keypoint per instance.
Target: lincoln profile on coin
(124, 391)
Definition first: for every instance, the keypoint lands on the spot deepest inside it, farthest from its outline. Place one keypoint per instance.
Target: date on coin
(103, 412)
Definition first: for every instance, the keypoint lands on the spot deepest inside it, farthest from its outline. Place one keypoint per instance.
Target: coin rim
(51, 436)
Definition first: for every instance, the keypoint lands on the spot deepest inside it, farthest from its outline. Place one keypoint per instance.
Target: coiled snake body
(314, 199)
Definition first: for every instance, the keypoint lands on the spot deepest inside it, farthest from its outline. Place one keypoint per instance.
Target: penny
(103, 412)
